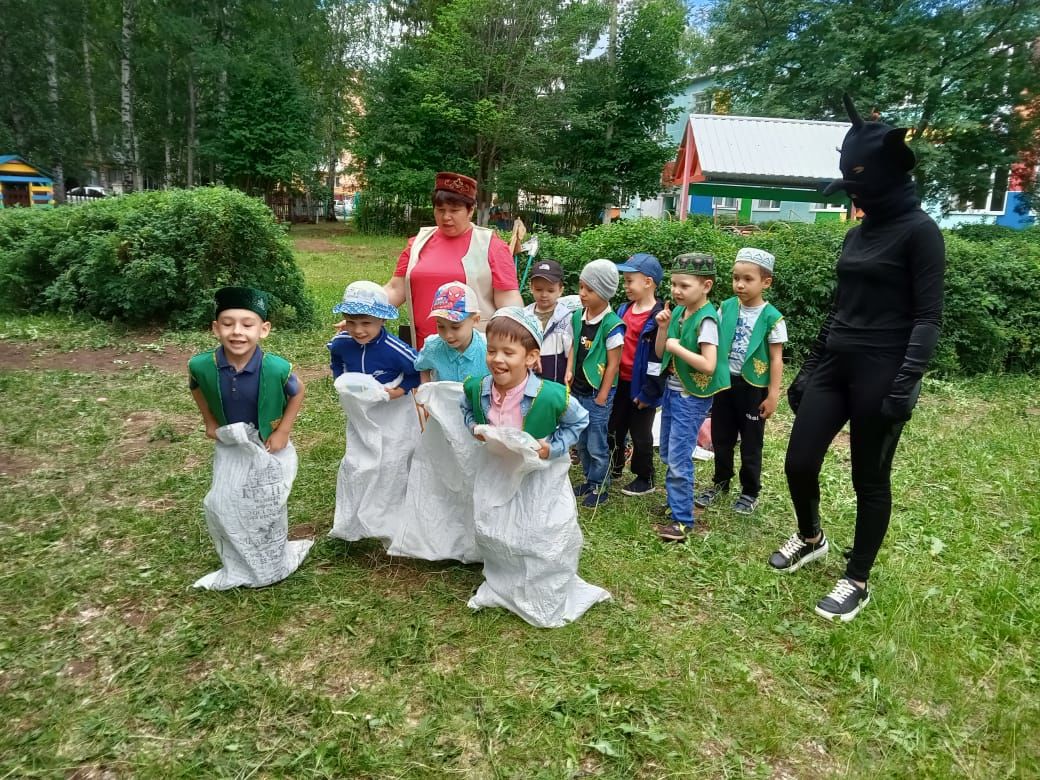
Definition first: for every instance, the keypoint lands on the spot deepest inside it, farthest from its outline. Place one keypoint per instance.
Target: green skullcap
(248, 298)
(694, 264)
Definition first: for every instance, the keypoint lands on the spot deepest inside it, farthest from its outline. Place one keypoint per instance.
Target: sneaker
(745, 504)
(796, 552)
(595, 497)
(638, 487)
(844, 602)
(708, 497)
(583, 489)
(673, 532)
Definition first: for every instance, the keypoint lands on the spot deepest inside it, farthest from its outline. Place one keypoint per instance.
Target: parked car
(89, 191)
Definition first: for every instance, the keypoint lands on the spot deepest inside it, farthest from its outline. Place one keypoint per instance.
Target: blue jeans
(593, 453)
(681, 418)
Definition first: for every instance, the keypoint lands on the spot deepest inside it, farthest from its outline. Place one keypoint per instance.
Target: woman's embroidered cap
(454, 301)
(694, 264)
(757, 256)
(248, 298)
(525, 318)
(456, 183)
(366, 299)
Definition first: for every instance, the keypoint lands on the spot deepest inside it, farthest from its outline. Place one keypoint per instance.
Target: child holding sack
(249, 401)
(525, 515)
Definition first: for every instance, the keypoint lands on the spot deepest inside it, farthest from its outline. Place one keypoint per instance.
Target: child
(365, 347)
(525, 519)
(639, 390)
(235, 384)
(687, 342)
(457, 351)
(592, 371)
(512, 396)
(238, 382)
(752, 333)
(554, 318)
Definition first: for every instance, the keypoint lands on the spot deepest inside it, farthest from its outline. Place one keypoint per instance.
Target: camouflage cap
(694, 264)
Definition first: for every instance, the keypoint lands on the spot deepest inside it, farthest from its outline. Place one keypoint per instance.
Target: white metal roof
(764, 149)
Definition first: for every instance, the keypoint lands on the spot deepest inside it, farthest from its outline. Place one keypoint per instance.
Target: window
(767, 205)
(828, 207)
(702, 102)
(726, 203)
(985, 194)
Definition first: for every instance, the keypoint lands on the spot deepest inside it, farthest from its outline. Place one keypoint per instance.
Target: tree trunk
(330, 206)
(131, 171)
(167, 156)
(611, 57)
(57, 166)
(88, 80)
(190, 151)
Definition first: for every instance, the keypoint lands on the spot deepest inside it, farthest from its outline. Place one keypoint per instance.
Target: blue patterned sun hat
(366, 299)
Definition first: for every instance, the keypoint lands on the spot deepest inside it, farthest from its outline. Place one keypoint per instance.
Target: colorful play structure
(24, 184)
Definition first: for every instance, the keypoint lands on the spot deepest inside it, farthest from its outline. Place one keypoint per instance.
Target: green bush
(149, 258)
(991, 320)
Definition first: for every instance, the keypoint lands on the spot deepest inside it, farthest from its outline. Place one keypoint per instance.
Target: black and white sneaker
(796, 552)
(745, 504)
(638, 487)
(709, 496)
(844, 602)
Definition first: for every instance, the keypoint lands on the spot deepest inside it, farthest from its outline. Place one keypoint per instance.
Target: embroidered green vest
(543, 416)
(756, 363)
(274, 373)
(596, 358)
(694, 382)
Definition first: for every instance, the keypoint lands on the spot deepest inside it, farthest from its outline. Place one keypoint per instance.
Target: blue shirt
(240, 390)
(573, 421)
(450, 365)
(385, 358)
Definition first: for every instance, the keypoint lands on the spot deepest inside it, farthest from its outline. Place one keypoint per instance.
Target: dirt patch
(14, 466)
(1033, 411)
(316, 245)
(303, 531)
(22, 356)
(79, 668)
(148, 430)
(94, 772)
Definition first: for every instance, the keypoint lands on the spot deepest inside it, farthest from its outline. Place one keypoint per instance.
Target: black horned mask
(875, 161)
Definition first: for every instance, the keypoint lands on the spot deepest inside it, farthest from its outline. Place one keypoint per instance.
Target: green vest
(270, 404)
(694, 382)
(543, 416)
(756, 363)
(596, 358)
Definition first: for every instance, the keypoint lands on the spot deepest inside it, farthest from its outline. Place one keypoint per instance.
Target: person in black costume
(866, 365)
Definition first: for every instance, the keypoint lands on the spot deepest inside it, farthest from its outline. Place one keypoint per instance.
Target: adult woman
(866, 365)
(454, 250)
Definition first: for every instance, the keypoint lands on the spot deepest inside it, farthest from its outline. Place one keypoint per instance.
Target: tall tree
(952, 70)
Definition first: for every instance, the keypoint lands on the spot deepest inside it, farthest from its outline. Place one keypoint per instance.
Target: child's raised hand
(664, 316)
(341, 325)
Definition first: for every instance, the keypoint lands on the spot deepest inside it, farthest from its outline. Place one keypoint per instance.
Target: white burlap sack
(373, 475)
(437, 517)
(246, 514)
(527, 531)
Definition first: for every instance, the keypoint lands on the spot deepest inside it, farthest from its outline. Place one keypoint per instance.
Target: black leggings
(847, 387)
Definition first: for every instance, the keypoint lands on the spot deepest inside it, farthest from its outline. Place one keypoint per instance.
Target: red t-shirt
(633, 330)
(440, 262)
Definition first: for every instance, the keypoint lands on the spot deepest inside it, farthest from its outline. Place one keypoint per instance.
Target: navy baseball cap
(645, 264)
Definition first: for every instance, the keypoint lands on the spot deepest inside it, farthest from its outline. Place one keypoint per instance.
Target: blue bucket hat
(366, 299)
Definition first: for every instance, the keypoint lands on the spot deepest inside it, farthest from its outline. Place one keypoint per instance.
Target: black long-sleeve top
(890, 282)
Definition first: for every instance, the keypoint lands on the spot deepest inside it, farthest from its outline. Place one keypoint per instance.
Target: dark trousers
(627, 419)
(847, 387)
(734, 413)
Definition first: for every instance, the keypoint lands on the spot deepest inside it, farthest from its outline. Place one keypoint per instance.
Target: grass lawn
(706, 664)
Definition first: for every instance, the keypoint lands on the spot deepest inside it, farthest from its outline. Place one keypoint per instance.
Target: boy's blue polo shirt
(384, 358)
(451, 365)
(240, 390)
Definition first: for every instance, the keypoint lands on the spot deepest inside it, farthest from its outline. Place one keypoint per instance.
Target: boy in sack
(687, 343)
(457, 351)
(639, 385)
(526, 525)
(752, 334)
(236, 385)
(554, 317)
(592, 372)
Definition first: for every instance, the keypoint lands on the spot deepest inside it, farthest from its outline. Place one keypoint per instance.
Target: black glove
(801, 381)
(906, 387)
